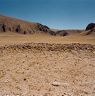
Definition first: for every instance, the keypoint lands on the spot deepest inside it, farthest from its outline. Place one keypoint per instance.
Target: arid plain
(44, 65)
(41, 64)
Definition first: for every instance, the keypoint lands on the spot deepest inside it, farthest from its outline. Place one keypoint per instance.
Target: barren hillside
(20, 26)
(10, 24)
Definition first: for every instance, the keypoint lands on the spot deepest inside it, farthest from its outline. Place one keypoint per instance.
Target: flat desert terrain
(44, 65)
(7, 38)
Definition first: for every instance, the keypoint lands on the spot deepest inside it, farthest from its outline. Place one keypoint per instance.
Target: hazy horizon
(56, 14)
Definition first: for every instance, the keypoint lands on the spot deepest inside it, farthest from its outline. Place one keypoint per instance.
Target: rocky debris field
(42, 69)
(49, 47)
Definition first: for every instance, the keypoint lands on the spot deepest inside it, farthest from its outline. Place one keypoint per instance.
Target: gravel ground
(41, 69)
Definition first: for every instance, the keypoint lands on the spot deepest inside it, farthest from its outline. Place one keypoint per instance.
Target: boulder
(43, 27)
(52, 33)
(62, 33)
(3, 27)
(90, 27)
(18, 29)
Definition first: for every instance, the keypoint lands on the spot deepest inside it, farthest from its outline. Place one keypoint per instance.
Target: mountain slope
(20, 26)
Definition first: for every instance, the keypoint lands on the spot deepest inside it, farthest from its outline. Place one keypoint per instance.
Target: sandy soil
(14, 38)
(44, 65)
(47, 70)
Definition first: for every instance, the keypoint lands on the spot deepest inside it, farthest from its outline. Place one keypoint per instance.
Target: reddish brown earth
(21, 26)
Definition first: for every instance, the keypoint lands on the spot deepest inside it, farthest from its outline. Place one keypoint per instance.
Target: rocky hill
(21, 26)
(90, 29)
(24, 27)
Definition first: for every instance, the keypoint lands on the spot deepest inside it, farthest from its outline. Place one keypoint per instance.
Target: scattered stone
(94, 52)
(24, 79)
(56, 83)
